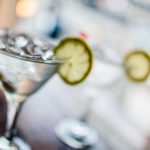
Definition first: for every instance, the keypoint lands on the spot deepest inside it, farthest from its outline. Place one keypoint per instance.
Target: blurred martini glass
(26, 63)
(77, 133)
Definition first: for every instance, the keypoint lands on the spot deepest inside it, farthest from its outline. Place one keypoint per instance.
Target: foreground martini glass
(25, 65)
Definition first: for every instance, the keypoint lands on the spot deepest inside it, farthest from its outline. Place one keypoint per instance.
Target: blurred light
(94, 33)
(83, 35)
(26, 8)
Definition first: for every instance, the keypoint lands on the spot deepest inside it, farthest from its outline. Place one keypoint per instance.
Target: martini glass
(77, 132)
(21, 76)
(108, 76)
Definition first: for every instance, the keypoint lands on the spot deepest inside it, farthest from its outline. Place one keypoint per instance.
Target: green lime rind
(88, 49)
(128, 56)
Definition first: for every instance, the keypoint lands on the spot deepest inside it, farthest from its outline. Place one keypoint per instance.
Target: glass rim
(35, 59)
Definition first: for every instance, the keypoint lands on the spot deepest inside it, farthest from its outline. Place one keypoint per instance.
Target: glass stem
(19, 105)
(87, 111)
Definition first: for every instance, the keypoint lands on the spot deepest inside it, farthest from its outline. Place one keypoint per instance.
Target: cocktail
(135, 65)
(26, 63)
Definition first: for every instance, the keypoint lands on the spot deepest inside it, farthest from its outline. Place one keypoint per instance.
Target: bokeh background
(120, 110)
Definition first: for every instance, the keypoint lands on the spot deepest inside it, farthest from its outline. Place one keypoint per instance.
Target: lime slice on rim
(80, 62)
(137, 65)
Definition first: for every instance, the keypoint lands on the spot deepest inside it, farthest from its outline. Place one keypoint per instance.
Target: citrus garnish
(137, 65)
(78, 66)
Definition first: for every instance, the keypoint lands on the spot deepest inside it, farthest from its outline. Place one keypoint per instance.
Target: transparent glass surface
(20, 77)
(24, 77)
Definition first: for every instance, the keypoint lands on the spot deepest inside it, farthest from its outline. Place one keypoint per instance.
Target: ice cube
(29, 49)
(42, 43)
(22, 53)
(11, 40)
(38, 51)
(48, 55)
(21, 41)
(17, 40)
(26, 46)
